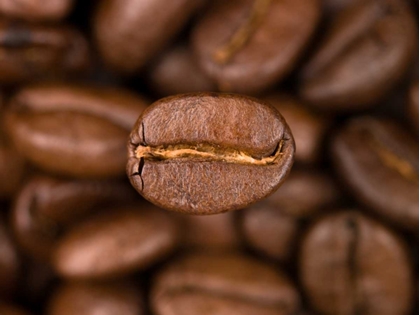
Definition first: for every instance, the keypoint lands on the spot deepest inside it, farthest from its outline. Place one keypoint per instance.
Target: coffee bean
(222, 284)
(209, 153)
(246, 46)
(379, 162)
(129, 32)
(113, 298)
(218, 232)
(45, 207)
(350, 264)
(12, 164)
(309, 129)
(367, 49)
(35, 52)
(176, 72)
(73, 130)
(36, 10)
(115, 243)
(273, 225)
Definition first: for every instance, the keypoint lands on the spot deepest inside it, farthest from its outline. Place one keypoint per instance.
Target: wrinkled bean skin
(46, 206)
(33, 51)
(72, 130)
(209, 178)
(367, 49)
(36, 9)
(82, 298)
(115, 243)
(351, 264)
(272, 226)
(271, 47)
(129, 32)
(222, 284)
(378, 160)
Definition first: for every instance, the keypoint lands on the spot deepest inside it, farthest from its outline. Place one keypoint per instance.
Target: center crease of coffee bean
(207, 152)
(244, 33)
(393, 161)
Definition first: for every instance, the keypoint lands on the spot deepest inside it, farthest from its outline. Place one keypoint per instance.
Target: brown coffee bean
(33, 52)
(367, 50)
(413, 104)
(35, 9)
(12, 164)
(10, 262)
(129, 32)
(113, 298)
(308, 128)
(272, 226)
(222, 284)
(379, 162)
(209, 153)
(7, 309)
(176, 72)
(351, 264)
(73, 130)
(115, 243)
(246, 46)
(215, 232)
(45, 207)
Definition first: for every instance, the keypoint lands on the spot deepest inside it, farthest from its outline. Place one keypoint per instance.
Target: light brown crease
(205, 152)
(225, 53)
(393, 161)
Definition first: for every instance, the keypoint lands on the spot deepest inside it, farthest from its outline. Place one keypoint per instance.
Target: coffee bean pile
(197, 157)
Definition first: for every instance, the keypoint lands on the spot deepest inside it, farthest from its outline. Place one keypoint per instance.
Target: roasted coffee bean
(129, 32)
(7, 309)
(114, 298)
(209, 153)
(217, 232)
(115, 243)
(247, 46)
(176, 72)
(413, 104)
(308, 128)
(350, 264)
(222, 284)
(10, 262)
(12, 164)
(73, 130)
(366, 51)
(34, 52)
(379, 162)
(45, 207)
(36, 9)
(272, 226)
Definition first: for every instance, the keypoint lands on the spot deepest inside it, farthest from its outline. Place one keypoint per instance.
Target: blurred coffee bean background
(339, 237)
